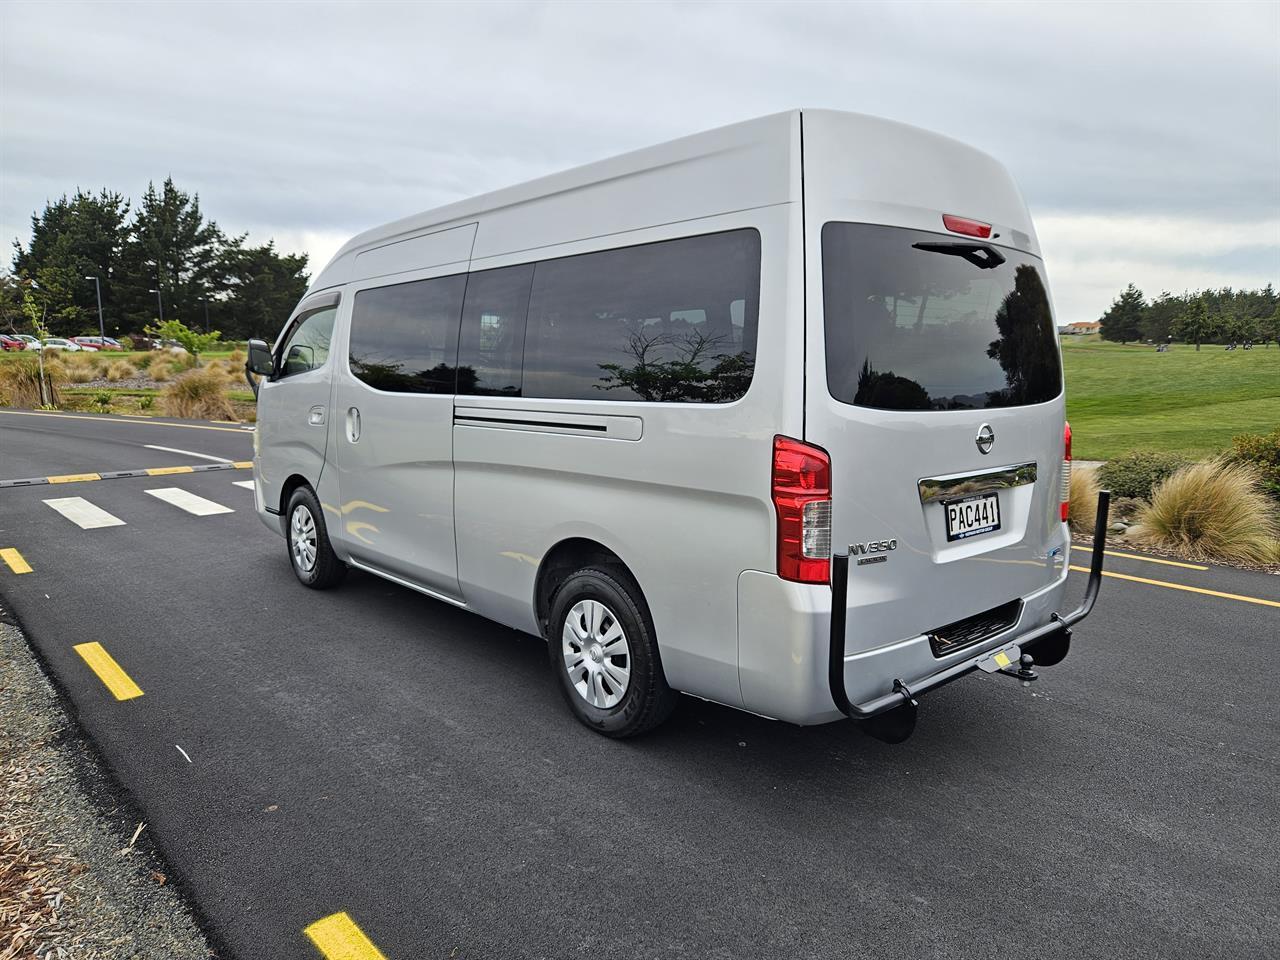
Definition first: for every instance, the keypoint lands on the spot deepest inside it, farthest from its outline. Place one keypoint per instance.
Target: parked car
(98, 343)
(31, 342)
(11, 344)
(772, 415)
(58, 343)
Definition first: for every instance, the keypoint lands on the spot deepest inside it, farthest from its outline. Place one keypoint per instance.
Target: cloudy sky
(1146, 137)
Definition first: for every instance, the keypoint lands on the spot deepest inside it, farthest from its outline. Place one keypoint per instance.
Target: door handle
(315, 416)
(353, 424)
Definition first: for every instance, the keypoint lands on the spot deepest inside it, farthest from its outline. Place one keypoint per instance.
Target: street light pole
(102, 327)
(205, 301)
(159, 302)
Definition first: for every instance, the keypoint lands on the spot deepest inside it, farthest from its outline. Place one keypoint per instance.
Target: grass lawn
(1121, 398)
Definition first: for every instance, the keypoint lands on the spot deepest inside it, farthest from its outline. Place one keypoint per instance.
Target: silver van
(772, 415)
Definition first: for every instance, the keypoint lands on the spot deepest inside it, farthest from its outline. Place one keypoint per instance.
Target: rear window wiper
(979, 254)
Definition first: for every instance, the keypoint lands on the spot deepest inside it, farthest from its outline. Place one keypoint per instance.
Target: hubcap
(302, 538)
(596, 654)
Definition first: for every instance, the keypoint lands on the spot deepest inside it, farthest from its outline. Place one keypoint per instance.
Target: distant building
(1081, 327)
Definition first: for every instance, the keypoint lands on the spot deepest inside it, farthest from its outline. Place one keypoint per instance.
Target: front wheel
(604, 654)
(310, 553)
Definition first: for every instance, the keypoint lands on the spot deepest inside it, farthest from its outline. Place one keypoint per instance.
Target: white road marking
(84, 514)
(185, 500)
(247, 484)
(189, 453)
(184, 754)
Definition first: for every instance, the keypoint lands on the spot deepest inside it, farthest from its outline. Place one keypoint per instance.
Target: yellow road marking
(338, 938)
(243, 464)
(1182, 586)
(152, 423)
(1153, 560)
(166, 471)
(74, 478)
(15, 561)
(109, 672)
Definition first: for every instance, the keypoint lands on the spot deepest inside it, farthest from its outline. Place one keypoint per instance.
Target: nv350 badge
(872, 551)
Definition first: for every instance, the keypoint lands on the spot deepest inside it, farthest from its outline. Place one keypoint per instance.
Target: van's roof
(736, 167)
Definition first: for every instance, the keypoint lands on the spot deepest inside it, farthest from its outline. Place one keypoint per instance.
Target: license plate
(971, 516)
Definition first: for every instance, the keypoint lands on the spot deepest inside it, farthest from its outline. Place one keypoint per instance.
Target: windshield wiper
(979, 254)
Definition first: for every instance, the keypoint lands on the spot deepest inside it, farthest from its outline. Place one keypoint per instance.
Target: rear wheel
(310, 553)
(603, 652)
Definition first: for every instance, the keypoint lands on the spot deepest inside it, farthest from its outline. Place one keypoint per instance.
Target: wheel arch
(569, 555)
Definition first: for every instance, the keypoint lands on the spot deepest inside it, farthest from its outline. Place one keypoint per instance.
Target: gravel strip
(76, 883)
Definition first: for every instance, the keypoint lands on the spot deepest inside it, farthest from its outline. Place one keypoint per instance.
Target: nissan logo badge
(986, 437)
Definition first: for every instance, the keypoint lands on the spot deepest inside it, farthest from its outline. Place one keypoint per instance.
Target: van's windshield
(924, 321)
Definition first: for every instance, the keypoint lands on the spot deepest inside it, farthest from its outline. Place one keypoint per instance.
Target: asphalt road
(372, 751)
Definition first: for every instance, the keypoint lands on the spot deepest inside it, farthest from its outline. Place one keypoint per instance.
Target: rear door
(935, 385)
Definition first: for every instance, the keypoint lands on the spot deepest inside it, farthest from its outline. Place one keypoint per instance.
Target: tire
(618, 694)
(317, 567)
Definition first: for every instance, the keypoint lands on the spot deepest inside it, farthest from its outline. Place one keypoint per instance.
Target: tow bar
(891, 717)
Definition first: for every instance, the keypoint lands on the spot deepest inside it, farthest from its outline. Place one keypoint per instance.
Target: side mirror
(260, 362)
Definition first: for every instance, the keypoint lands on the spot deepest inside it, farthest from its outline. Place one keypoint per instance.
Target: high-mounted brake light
(802, 500)
(970, 228)
(1066, 471)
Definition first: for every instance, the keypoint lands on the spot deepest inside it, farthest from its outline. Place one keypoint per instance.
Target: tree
(195, 343)
(261, 287)
(1158, 318)
(1123, 322)
(173, 249)
(72, 239)
(1195, 325)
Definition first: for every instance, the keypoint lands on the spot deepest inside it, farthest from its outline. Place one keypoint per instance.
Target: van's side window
(404, 338)
(308, 345)
(672, 321)
(493, 321)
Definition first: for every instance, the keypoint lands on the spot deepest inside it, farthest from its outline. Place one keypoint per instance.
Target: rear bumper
(791, 651)
(902, 692)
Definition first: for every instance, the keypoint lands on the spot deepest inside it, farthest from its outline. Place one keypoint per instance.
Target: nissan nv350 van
(772, 415)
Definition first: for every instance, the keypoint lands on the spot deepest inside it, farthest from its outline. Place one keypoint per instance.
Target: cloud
(309, 122)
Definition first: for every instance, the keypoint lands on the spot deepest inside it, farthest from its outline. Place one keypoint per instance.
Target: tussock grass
(20, 380)
(121, 370)
(1082, 511)
(80, 372)
(159, 370)
(1214, 510)
(199, 395)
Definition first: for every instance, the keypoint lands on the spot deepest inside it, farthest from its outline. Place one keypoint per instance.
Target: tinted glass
(404, 338)
(925, 321)
(493, 322)
(308, 345)
(673, 321)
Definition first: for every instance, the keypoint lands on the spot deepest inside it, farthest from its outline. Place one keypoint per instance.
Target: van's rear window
(927, 321)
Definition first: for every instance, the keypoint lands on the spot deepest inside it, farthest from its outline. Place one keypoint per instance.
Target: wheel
(310, 553)
(604, 655)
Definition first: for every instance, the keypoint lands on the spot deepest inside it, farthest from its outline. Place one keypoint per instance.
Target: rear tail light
(1066, 472)
(802, 500)
(970, 228)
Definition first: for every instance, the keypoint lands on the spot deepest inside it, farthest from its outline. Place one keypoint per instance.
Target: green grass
(1121, 398)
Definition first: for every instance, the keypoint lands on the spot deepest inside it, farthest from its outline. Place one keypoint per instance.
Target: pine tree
(1123, 322)
(1195, 325)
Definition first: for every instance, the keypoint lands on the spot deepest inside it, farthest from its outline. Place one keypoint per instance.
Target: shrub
(144, 360)
(121, 370)
(1214, 510)
(103, 400)
(1083, 500)
(181, 360)
(146, 401)
(1136, 474)
(20, 381)
(126, 342)
(198, 395)
(1263, 451)
(81, 372)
